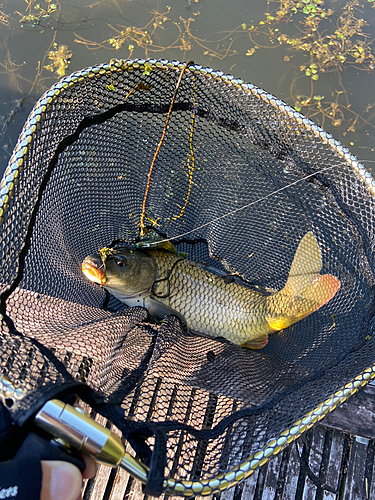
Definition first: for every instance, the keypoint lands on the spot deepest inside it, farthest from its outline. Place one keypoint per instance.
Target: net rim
(7, 190)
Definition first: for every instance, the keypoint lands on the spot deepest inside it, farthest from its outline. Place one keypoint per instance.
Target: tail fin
(305, 290)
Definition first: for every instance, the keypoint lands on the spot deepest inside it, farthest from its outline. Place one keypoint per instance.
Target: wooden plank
(147, 497)
(194, 451)
(356, 415)
(247, 490)
(285, 458)
(272, 476)
(334, 464)
(136, 492)
(261, 482)
(99, 486)
(293, 470)
(371, 486)
(355, 488)
(163, 402)
(143, 406)
(309, 490)
(312, 457)
(224, 407)
(120, 484)
(127, 403)
(227, 494)
(182, 456)
(316, 449)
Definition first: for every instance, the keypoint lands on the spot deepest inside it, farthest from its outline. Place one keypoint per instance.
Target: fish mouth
(93, 268)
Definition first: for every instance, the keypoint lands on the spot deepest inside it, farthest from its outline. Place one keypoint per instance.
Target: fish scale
(225, 309)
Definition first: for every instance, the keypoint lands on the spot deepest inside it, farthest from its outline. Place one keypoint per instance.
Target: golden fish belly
(209, 304)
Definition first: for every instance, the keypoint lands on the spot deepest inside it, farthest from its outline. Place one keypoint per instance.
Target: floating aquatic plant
(60, 57)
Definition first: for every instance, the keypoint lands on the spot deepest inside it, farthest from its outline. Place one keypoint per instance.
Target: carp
(166, 283)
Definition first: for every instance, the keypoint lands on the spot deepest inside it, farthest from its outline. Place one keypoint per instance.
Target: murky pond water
(317, 56)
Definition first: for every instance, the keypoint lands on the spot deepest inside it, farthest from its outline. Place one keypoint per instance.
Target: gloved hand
(26, 477)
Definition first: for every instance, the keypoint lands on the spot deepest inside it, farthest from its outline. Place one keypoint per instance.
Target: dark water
(213, 33)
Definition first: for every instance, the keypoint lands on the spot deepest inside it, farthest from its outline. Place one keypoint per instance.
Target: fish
(165, 282)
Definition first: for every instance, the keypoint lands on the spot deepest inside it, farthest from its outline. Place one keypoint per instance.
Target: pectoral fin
(158, 310)
(257, 343)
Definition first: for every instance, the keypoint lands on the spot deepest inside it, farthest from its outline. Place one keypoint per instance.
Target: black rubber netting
(81, 186)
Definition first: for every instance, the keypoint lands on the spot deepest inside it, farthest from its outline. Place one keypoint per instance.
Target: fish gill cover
(235, 179)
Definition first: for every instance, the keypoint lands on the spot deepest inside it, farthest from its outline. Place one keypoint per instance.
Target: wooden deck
(334, 461)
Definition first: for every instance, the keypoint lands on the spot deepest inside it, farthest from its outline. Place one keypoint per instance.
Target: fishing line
(248, 205)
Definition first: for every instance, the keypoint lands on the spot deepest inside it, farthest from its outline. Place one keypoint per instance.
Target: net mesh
(239, 180)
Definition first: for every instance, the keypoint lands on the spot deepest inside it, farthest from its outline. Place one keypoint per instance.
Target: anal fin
(256, 343)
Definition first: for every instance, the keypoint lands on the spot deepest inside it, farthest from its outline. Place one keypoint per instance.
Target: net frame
(7, 192)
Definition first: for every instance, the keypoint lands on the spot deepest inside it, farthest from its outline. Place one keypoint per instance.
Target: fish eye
(120, 261)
